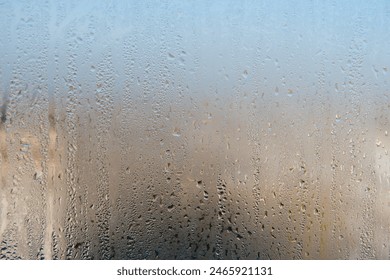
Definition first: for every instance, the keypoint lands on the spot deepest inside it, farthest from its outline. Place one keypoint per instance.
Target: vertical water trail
(4, 165)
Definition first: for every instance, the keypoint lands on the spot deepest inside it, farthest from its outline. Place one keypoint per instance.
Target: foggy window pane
(194, 129)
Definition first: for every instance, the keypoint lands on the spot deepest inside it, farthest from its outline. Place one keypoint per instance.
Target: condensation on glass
(194, 130)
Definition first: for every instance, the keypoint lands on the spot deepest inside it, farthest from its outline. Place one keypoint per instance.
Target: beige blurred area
(204, 184)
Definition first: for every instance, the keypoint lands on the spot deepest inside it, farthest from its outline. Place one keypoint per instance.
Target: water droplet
(176, 132)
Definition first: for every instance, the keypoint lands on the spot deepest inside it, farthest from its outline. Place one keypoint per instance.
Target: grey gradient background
(194, 129)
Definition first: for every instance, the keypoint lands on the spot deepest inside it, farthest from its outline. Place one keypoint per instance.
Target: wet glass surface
(194, 130)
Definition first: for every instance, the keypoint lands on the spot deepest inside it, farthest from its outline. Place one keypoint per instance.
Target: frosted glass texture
(194, 129)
